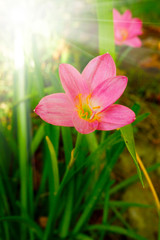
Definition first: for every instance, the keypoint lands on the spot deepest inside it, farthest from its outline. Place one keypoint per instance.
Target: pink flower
(87, 103)
(127, 29)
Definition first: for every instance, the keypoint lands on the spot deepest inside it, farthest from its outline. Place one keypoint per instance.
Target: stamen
(86, 115)
(124, 34)
(87, 99)
(96, 107)
(80, 99)
(92, 116)
(85, 109)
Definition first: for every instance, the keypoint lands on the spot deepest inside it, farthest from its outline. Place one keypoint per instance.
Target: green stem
(67, 143)
(123, 55)
(54, 165)
(22, 123)
(4, 210)
(78, 144)
(65, 223)
(40, 84)
(106, 210)
(105, 30)
(105, 27)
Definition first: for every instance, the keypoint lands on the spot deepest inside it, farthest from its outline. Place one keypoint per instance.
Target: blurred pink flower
(127, 29)
(87, 103)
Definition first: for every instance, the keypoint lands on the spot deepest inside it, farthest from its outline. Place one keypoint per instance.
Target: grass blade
(127, 133)
(65, 222)
(131, 179)
(20, 92)
(116, 230)
(54, 164)
(27, 221)
(37, 138)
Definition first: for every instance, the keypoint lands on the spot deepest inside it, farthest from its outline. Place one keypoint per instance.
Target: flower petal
(109, 91)
(116, 15)
(99, 69)
(127, 15)
(126, 19)
(121, 21)
(116, 116)
(56, 109)
(133, 42)
(84, 126)
(135, 28)
(72, 81)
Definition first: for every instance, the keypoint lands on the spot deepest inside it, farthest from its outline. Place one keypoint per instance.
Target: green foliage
(73, 200)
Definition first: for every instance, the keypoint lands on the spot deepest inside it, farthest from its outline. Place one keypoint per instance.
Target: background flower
(127, 29)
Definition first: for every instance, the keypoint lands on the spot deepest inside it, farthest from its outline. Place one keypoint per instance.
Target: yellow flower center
(85, 109)
(124, 34)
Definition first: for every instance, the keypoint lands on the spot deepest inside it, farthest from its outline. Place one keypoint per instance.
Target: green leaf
(83, 237)
(67, 143)
(9, 139)
(116, 229)
(140, 118)
(131, 180)
(127, 133)
(102, 182)
(122, 204)
(93, 198)
(67, 214)
(136, 108)
(54, 163)
(113, 139)
(27, 221)
(37, 138)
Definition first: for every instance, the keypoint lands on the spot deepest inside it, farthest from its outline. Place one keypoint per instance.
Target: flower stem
(22, 136)
(105, 27)
(67, 215)
(78, 145)
(123, 55)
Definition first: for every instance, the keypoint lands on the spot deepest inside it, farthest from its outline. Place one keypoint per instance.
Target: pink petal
(99, 69)
(56, 109)
(116, 116)
(135, 28)
(121, 21)
(118, 37)
(84, 126)
(127, 15)
(133, 42)
(72, 81)
(109, 91)
(116, 15)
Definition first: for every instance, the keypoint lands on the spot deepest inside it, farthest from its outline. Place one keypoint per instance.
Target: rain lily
(127, 29)
(87, 103)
